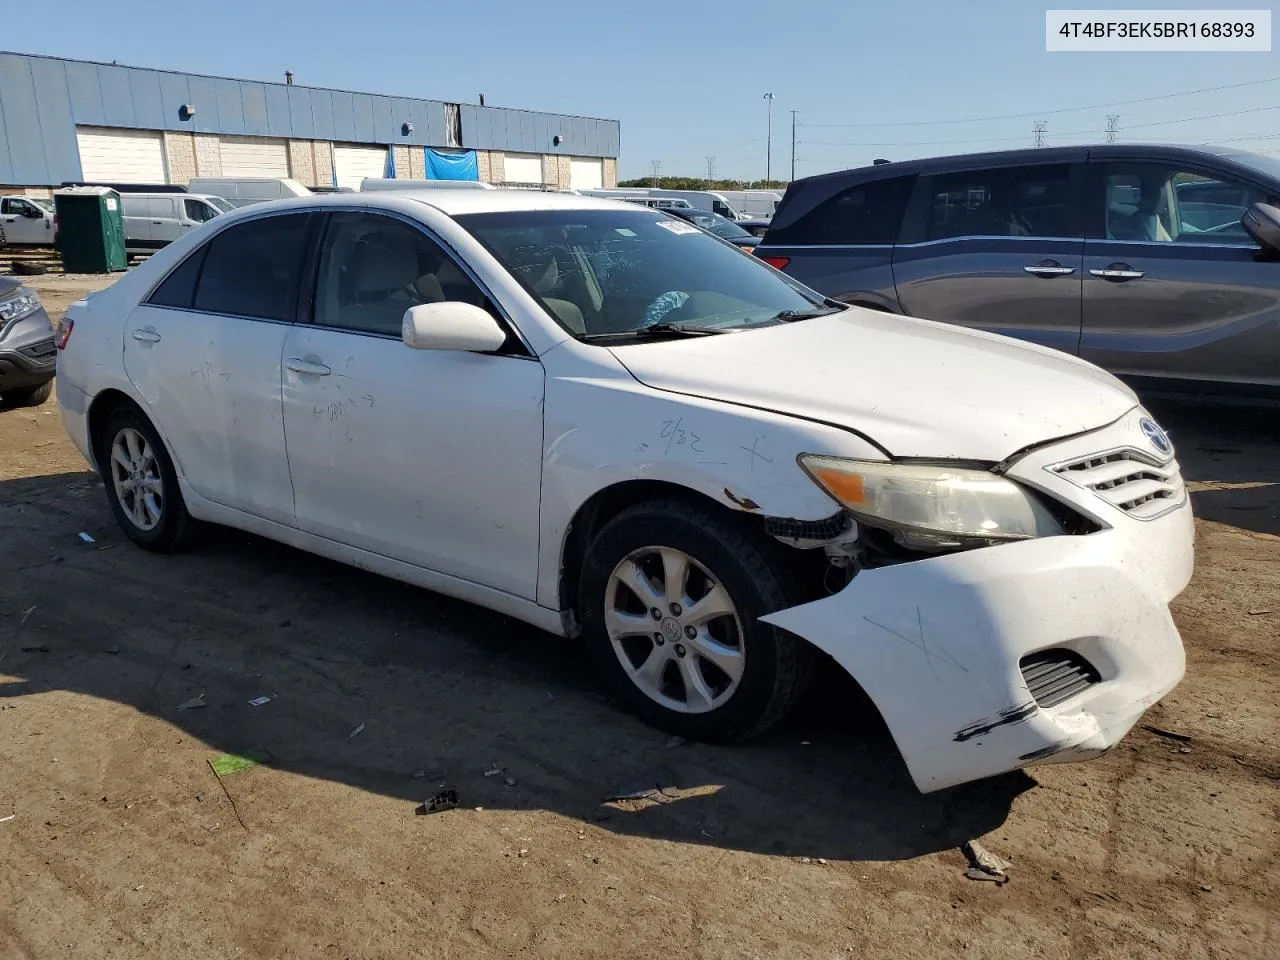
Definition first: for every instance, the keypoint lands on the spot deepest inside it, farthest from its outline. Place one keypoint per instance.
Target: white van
(396, 183)
(696, 199)
(242, 191)
(155, 220)
(26, 220)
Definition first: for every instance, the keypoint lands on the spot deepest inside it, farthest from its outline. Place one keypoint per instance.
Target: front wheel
(29, 398)
(671, 596)
(142, 484)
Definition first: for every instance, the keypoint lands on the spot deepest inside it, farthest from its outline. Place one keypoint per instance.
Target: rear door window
(254, 269)
(869, 213)
(1030, 201)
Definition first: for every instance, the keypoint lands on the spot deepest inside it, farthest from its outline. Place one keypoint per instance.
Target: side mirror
(1262, 222)
(451, 326)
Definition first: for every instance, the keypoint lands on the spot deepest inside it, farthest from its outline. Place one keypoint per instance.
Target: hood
(914, 387)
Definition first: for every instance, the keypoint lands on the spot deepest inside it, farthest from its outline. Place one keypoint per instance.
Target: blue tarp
(452, 166)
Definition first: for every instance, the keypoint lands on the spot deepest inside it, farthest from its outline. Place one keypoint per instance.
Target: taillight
(778, 263)
(63, 333)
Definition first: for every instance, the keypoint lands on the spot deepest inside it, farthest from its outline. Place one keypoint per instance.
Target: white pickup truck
(26, 220)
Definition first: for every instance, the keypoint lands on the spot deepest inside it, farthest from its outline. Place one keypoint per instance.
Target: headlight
(933, 507)
(23, 302)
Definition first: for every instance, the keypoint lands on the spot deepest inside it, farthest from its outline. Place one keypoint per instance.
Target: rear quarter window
(867, 213)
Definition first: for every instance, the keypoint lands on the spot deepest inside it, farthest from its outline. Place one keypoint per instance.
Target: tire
(29, 398)
(165, 524)
(773, 667)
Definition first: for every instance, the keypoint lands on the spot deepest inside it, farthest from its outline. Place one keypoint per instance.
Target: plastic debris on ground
(985, 865)
(86, 538)
(1167, 734)
(259, 701)
(356, 732)
(194, 703)
(230, 763)
(658, 786)
(26, 613)
(494, 770)
(444, 800)
(8, 818)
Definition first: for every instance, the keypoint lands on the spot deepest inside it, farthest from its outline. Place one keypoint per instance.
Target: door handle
(1118, 271)
(307, 368)
(1049, 268)
(146, 336)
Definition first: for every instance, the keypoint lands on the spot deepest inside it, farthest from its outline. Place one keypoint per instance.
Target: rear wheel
(29, 398)
(142, 485)
(671, 600)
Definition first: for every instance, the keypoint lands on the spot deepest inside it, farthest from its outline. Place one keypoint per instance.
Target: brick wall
(417, 163)
(302, 164)
(484, 166)
(322, 151)
(404, 160)
(610, 174)
(180, 151)
(208, 157)
(564, 172)
(496, 171)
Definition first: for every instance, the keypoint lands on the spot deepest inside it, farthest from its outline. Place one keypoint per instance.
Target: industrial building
(72, 120)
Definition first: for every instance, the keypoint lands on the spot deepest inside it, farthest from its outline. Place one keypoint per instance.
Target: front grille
(1054, 676)
(1129, 480)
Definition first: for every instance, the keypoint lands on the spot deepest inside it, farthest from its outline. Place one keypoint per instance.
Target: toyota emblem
(1156, 435)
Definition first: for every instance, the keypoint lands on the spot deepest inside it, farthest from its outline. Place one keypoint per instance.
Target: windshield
(714, 223)
(611, 272)
(1266, 165)
(42, 202)
(220, 204)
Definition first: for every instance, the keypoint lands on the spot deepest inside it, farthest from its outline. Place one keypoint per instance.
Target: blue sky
(898, 79)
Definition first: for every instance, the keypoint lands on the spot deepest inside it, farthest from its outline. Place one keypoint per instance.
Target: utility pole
(657, 165)
(793, 143)
(1037, 129)
(711, 170)
(768, 149)
(1113, 127)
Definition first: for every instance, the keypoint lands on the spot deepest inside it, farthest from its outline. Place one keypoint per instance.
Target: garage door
(521, 168)
(586, 174)
(353, 164)
(121, 156)
(254, 157)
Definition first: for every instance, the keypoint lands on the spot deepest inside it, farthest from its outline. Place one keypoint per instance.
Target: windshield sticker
(624, 232)
(678, 226)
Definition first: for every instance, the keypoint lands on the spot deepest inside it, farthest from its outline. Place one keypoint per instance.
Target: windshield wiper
(653, 331)
(789, 316)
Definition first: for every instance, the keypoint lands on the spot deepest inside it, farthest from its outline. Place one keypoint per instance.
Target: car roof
(1023, 155)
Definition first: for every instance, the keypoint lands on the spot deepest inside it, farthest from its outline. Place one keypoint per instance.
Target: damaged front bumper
(1039, 651)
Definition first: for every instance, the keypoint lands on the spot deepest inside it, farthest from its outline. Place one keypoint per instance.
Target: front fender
(606, 428)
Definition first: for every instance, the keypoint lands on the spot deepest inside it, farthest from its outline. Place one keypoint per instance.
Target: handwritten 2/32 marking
(677, 435)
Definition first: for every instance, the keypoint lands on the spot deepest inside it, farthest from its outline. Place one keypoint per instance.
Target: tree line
(701, 183)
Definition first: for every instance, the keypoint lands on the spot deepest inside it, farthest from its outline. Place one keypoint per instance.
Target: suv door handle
(157, 223)
(306, 368)
(1118, 271)
(1049, 268)
(146, 335)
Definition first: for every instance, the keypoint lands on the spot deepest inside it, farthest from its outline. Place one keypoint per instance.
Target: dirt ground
(812, 843)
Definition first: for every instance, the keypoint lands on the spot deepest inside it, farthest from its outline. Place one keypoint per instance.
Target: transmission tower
(1037, 129)
(711, 169)
(1113, 127)
(657, 166)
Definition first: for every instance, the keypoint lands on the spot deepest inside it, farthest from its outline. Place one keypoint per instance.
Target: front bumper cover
(936, 643)
(27, 355)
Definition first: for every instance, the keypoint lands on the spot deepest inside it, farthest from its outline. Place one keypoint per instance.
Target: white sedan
(603, 421)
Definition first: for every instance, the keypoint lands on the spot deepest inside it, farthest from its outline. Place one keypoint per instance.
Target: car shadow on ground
(438, 685)
(1229, 451)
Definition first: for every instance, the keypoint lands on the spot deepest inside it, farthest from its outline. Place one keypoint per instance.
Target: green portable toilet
(90, 229)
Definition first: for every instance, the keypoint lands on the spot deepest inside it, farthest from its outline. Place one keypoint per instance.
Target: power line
(1041, 113)
(1074, 133)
